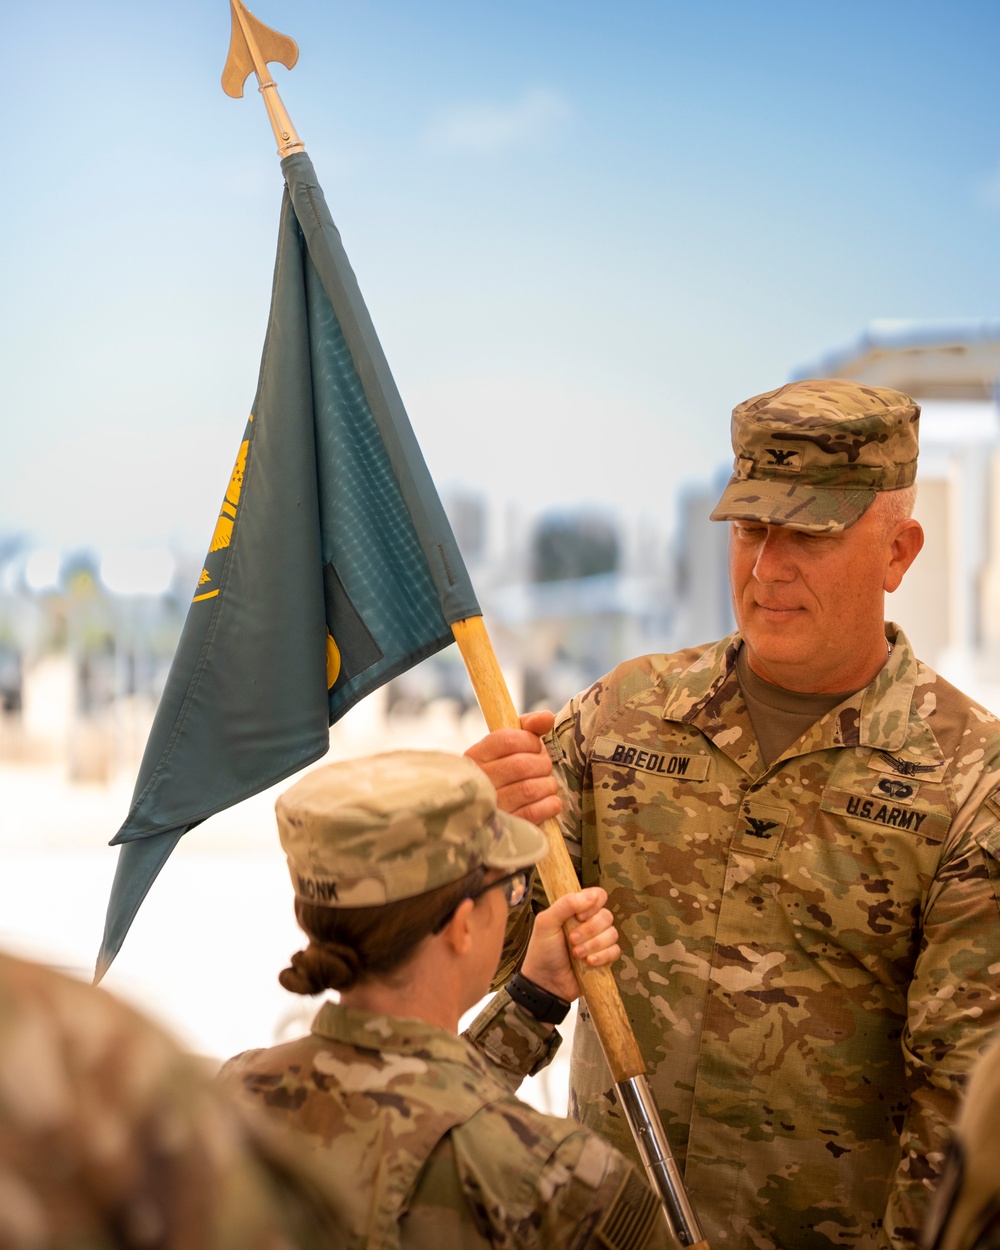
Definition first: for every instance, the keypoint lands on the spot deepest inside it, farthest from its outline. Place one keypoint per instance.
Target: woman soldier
(965, 1209)
(404, 870)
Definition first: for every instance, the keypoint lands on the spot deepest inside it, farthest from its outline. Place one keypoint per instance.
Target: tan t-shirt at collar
(779, 716)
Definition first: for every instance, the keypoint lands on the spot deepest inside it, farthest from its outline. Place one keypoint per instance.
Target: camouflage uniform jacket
(810, 951)
(430, 1145)
(112, 1139)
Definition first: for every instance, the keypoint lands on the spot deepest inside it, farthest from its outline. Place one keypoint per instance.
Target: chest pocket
(872, 857)
(656, 807)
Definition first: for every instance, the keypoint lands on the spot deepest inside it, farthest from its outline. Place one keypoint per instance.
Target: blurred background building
(948, 603)
(86, 637)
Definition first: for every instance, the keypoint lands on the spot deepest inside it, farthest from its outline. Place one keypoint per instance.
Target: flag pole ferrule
(665, 1179)
(284, 132)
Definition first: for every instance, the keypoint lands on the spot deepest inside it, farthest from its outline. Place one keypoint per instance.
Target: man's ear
(904, 547)
(458, 931)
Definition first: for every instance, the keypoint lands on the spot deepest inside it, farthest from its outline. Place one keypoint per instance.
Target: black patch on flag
(358, 649)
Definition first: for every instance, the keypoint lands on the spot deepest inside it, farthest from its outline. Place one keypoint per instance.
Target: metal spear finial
(251, 47)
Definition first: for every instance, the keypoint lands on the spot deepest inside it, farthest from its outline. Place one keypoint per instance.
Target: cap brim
(517, 844)
(798, 506)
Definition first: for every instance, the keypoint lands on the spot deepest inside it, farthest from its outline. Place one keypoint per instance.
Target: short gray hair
(893, 506)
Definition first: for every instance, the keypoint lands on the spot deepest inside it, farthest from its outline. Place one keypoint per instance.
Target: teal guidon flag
(332, 567)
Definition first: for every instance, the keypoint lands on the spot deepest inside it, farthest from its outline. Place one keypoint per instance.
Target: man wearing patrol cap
(798, 830)
(404, 871)
(813, 455)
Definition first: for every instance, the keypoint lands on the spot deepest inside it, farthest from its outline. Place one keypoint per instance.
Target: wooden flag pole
(598, 986)
(556, 869)
(252, 46)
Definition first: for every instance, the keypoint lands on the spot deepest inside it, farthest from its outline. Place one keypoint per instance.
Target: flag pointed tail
(139, 864)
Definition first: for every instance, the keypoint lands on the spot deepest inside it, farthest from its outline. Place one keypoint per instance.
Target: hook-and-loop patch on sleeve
(989, 843)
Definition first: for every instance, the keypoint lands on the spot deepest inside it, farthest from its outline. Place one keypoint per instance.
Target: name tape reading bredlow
(662, 763)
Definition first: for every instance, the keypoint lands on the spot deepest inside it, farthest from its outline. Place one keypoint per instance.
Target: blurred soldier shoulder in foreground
(966, 1212)
(110, 1136)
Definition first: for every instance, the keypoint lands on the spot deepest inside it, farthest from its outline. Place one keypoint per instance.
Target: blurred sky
(584, 230)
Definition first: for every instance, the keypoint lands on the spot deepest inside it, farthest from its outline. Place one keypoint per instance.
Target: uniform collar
(393, 1034)
(892, 709)
(886, 715)
(708, 696)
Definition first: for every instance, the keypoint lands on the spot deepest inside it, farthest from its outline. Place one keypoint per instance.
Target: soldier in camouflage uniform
(799, 830)
(112, 1139)
(403, 872)
(965, 1213)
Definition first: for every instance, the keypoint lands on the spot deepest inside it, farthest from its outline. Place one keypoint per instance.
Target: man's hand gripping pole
(598, 986)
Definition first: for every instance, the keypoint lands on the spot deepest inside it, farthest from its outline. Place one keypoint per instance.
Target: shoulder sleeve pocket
(989, 843)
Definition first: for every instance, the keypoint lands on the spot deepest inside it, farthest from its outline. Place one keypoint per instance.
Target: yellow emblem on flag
(224, 525)
(332, 661)
(205, 578)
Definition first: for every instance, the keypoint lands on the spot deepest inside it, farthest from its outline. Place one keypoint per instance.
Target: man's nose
(774, 561)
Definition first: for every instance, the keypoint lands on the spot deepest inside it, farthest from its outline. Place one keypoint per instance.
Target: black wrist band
(545, 1007)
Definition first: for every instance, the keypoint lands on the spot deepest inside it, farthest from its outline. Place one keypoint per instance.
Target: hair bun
(321, 966)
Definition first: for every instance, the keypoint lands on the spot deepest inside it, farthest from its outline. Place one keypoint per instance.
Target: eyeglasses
(516, 887)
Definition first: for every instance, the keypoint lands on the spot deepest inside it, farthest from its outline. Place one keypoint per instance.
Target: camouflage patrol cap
(364, 832)
(812, 455)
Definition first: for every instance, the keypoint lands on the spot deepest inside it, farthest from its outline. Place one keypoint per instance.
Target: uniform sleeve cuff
(511, 1039)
